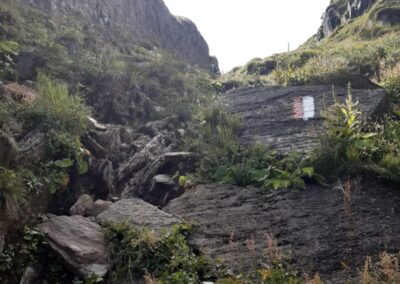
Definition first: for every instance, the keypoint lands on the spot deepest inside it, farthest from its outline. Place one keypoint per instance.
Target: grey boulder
(82, 205)
(139, 214)
(79, 242)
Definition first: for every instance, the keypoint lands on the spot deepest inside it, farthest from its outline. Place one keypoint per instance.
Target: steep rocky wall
(146, 20)
(289, 118)
(315, 226)
(340, 12)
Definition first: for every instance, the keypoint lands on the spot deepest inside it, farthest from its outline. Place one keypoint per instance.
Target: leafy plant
(167, 258)
(352, 147)
(15, 258)
(225, 160)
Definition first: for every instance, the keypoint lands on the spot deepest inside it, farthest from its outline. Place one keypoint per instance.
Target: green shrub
(63, 153)
(168, 258)
(31, 249)
(8, 51)
(224, 160)
(54, 109)
(268, 169)
(217, 141)
(350, 147)
(342, 148)
(317, 70)
(390, 79)
(12, 193)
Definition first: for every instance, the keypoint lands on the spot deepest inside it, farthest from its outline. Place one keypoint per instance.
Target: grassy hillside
(90, 60)
(364, 49)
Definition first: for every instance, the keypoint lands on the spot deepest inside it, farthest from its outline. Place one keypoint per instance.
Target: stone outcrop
(341, 12)
(315, 226)
(289, 118)
(82, 205)
(148, 21)
(86, 206)
(389, 16)
(139, 214)
(79, 242)
(127, 163)
(146, 182)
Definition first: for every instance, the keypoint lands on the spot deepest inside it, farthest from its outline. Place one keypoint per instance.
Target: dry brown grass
(386, 270)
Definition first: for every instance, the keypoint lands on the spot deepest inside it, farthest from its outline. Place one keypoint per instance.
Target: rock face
(341, 12)
(80, 243)
(147, 20)
(125, 163)
(288, 118)
(314, 225)
(146, 182)
(140, 214)
(389, 16)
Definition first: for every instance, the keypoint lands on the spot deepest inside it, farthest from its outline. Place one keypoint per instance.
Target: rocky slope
(316, 227)
(128, 160)
(341, 12)
(146, 21)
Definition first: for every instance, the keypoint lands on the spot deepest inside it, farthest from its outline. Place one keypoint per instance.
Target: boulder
(86, 206)
(289, 118)
(139, 214)
(389, 16)
(82, 205)
(163, 189)
(79, 242)
(314, 226)
(99, 206)
(102, 174)
(31, 276)
(96, 125)
(94, 147)
(32, 148)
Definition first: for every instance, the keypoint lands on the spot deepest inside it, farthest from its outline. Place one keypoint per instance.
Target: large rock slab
(312, 225)
(139, 214)
(289, 118)
(80, 243)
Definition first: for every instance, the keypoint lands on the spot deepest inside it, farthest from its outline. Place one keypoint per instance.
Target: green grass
(55, 109)
(364, 47)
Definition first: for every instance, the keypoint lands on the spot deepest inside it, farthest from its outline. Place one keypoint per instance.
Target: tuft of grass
(386, 270)
(55, 109)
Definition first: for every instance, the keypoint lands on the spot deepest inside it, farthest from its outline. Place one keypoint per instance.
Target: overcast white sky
(239, 30)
